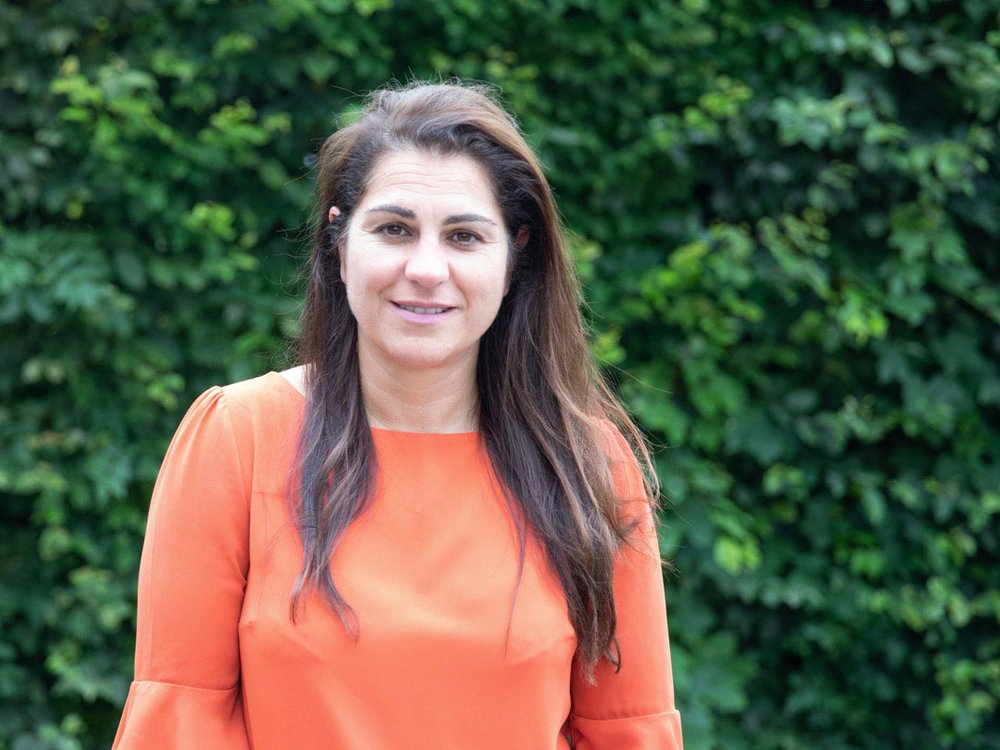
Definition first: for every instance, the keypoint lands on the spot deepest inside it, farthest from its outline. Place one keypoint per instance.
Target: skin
(426, 265)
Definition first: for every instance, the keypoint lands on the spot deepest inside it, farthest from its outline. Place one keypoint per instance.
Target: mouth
(420, 310)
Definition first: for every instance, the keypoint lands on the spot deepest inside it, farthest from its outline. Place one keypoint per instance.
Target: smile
(423, 310)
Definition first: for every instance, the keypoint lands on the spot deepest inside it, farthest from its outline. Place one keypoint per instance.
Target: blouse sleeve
(633, 708)
(192, 574)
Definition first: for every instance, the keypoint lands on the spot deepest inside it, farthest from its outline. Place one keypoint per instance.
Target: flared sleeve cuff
(660, 731)
(178, 717)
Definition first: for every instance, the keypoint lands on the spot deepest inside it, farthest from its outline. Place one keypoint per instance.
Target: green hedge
(787, 216)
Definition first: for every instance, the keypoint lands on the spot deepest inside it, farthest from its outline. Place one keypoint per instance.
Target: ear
(523, 235)
(332, 216)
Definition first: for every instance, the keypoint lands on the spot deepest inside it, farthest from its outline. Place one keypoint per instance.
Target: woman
(429, 534)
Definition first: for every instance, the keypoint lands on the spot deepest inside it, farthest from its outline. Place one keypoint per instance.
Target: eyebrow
(408, 214)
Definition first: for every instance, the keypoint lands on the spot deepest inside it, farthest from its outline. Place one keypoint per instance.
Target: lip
(422, 317)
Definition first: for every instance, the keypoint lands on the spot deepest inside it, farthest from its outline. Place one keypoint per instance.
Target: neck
(441, 400)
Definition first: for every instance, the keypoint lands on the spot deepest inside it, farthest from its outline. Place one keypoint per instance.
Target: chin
(416, 359)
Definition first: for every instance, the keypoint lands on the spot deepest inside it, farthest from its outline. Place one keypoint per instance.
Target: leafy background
(787, 217)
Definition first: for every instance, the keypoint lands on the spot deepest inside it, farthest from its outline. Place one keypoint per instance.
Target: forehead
(429, 179)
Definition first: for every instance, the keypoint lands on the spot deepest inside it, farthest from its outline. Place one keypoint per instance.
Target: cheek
(349, 278)
(510, 259)
(506, 271)
(346, 279)
(366, 278)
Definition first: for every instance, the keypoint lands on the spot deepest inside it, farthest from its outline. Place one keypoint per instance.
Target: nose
(428, 263)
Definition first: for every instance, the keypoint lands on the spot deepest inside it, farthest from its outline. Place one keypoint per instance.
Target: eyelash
(384, 231)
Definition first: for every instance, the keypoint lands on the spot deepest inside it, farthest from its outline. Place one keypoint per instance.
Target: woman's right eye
(393, 230)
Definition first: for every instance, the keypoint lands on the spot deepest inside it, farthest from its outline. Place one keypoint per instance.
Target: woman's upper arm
(632, 707)
(195, 557)
(192, 575)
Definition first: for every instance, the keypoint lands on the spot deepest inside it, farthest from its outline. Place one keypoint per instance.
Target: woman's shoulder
(259, 418)
(623, 456)
(263, 394)
(611, 441)
(264, 403)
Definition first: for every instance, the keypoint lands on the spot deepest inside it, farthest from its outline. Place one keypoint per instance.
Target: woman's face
(425, 262)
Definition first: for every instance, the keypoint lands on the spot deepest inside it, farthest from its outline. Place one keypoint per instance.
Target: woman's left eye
(464, 238)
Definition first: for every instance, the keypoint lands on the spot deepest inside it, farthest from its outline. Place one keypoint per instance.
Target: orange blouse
(446, 656)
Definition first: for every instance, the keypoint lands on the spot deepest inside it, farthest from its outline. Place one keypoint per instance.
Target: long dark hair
(546, 418)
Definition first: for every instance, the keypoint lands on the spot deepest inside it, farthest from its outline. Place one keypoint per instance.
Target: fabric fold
(178, 717)
(661, 731)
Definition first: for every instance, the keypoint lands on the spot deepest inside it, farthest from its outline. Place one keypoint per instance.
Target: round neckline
(407, 433)
(381, 430)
